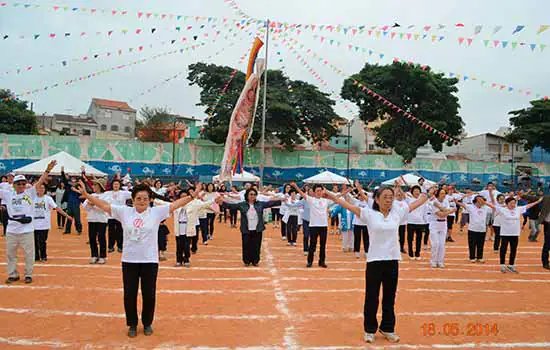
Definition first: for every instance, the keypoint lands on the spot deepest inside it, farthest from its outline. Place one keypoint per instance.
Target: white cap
(19, 178)
(11, 174)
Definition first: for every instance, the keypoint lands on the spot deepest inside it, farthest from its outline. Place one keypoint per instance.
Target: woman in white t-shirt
(510, 229)
(440, 209)
(282, 212)
(477, 229)
(140, 259)
(416, 223)
(97, 226)
(383, 222)
(116, 197)
(497, 221)
(43, 205)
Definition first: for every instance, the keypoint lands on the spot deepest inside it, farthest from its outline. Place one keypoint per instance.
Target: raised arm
(100, 203)
(180, 203)
(354, 209)
(44, 176)
(423, 198)
(530, 205)
(299, 190)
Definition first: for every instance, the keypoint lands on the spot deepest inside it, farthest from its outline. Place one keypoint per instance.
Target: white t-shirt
(450, 198)
(42, 212)
(94, 213)
(317, 211)
(359, 221)
(510, 220)
(478, 217)
(252, 216)
(417, 216)
(436, 222)
(498, 216)
(6, 186)
(19, 205)
(402, 204)
(116, 197)
(384, 233)
(485, 194)
(140, 232)
(180, 215)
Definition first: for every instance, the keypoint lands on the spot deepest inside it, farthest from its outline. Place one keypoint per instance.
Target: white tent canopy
(244, 177)
(72, 166)
(411, 180)
(326, 177)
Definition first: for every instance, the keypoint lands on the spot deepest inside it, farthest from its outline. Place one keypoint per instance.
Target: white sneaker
(434, 266)
(283, 238)
(369, 337)
(425, 247)
(411, 257)
(101, 261)
(391, 337)
(93, 260)
(441, 266)
(357, 255)
(503, 268)
(305, 253)
(511, 268)
(418, 258)
(481, 261)
(473, 261)
(187, 264)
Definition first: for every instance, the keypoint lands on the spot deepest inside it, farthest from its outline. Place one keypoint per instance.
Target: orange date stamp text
(456, 329)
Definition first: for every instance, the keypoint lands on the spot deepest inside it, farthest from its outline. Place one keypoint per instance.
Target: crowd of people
(129, 217)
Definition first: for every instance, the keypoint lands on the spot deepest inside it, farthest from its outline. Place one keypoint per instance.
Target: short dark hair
(415, 187)
(316, 186)
(508, 200)
(141, 188)
(378, 193)
(438, 192)
(292, 191)
(499, 196)
(247, 193)
(477, 197)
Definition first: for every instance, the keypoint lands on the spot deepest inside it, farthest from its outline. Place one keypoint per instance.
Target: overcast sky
(483, 109)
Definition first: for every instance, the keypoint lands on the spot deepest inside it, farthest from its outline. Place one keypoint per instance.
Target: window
(114, 127)
(345, 142)
(103, 127)
(108, 114)
(125, 116)
(336, 141)
(127, 129)
(506, 148)
(371, 147)
(86, 132)
(494, 148)
(65, 130)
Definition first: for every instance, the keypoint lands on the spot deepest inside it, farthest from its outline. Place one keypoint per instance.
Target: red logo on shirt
(138, 223)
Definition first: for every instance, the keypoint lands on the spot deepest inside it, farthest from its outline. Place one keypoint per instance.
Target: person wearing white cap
(20, 231)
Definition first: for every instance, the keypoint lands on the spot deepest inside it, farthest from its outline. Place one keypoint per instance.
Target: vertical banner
(242, 117)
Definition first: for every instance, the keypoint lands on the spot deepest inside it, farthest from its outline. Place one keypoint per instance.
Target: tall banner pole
(262, 164)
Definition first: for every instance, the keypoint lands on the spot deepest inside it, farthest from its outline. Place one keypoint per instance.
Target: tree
(417, 90)
(15, 117)
(532, 125)
(154, 124)
(295, 111)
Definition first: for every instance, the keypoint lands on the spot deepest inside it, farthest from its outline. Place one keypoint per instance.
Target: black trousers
(131, 275)
(223, 212)
(195, 239)
(61, 220)
(162, 241)
(414, 232)
(426, 233)
(183, 252)
(252, 244)
(358, 232)
(115, 233)
(513, 240)
(211, 217)
(402, 229)
(292, 228)
(233, 216)
(283, 229)
(203, 223)
(380, 274)
(275, 214)
(496, 243)
(450, 222)
(546, 246)
(476, 242)
(314, 234)
(96, 234)
(334, 222)
(40, 238)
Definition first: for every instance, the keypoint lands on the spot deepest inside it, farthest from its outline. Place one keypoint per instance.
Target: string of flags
(108, 70)
(103, 55)
(380, 98)
(175, 76)
(462, 77)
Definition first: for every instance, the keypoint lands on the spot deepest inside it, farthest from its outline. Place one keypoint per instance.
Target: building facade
(65, 124)
(487, 147)
(115, 117)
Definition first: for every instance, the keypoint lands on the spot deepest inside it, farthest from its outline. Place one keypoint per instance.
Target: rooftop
(112, 104)
(73, 118)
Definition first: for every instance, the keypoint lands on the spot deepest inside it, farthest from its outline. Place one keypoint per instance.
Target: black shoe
(111, 250)
(10, 280)
(66, 233)
(79, 233)
(255, 264)
(132, 332)
(323, 265)
(119, 250)
(450, 239)
(247, 264)
(28, 280)
(148, 330)
(309, 265)
(193, 252)
(547, 267)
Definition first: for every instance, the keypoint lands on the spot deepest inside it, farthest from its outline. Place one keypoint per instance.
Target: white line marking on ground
(289, 341)
(120, 290)
(436, 346)
(415, 290)
(33, 342)
(458, 280)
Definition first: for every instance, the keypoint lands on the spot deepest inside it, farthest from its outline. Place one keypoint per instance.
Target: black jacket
(545, 209)
(259, 206)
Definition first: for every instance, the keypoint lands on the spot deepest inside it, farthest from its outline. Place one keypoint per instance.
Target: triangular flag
(427, 28)
(469, 40)
(542, 47)
(153, 30)
(514, 44)
(486, 42)
(460, 41)
(533, 46)
(504, 44)
(36, 36)
(496, 42)
(497, 29)
(518, 29)
(478, 29)
(543, 28)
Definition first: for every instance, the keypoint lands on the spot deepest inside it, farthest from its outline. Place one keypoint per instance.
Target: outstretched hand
(51, 165)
